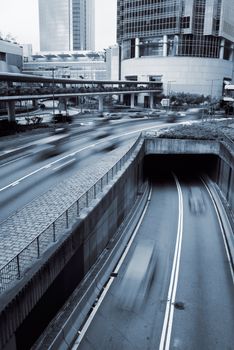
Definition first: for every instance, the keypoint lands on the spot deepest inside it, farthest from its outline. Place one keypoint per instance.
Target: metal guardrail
(16, 267)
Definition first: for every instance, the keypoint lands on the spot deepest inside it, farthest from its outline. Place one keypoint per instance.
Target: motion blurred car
(102, 127)
(195, 113)
(138, 277)
(196, 200)
(155, 113)
(171, 117)
(113, 116)
(140, 114)
(61, 118)
(54, 144)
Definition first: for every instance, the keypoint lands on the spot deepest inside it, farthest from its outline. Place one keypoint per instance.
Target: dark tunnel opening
(188, 165)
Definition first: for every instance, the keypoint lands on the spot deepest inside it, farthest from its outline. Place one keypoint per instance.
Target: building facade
(188, 43)
(71, 64)
(11, 56)
(66, 25)
(112, 62)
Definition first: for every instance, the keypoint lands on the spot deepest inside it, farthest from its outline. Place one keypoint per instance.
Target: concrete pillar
(221, 49)
(137, 49)
(65, 105)
(176, 45)
(121, 98)
(231, 53)
(35, 103)
(11, 111)
(151, 101)
(132, 101)
(164, 45)
(100, 103)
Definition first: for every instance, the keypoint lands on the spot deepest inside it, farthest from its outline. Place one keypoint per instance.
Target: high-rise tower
(183, 41)
(66, 25)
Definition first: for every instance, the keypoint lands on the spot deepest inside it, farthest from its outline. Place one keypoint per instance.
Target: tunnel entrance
(183, 164)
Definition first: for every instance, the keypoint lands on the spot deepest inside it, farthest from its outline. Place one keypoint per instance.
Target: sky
(20, 19)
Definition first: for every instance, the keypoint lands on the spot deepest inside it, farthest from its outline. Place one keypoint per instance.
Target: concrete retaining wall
(155, 145)
(34, 301)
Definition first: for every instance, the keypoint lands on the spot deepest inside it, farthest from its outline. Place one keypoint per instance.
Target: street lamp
(211, 94)
(50, 69)
(169, 91)
(53, 69)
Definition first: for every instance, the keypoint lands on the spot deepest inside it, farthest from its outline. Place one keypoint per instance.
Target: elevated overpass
(22, 87)
(91, 225)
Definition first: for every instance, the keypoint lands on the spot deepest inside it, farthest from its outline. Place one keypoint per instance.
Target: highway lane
(29, 175)
(204, 318)
(198, 289)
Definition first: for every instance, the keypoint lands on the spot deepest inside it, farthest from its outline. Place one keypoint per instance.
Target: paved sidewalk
(18, 230)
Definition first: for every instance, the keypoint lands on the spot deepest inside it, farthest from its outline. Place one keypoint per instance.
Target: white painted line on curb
(206, 183)
(168, 318)
(81, 333)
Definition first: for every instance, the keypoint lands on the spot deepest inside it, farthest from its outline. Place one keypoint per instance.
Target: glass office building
(66, 25)
(186, 42)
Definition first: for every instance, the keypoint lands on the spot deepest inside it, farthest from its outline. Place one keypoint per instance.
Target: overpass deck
(70, 94)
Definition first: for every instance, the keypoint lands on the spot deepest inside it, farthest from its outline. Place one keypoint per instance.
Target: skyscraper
(66, 25)
(186, 42)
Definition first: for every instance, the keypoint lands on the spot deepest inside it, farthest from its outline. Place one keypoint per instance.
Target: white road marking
(168, 318)
(206, 183)
(64, 164)
(15, 183)
(81, 333)
(13, 160)
(69, 155)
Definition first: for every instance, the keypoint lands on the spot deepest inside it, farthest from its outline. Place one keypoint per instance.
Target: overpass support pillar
(121, 99)
(35, 103)
(165, 43)
(132, 101)
(151, 101)
(11, 111)
(100, 103)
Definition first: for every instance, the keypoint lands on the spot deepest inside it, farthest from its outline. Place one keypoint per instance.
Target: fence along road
(23, 258)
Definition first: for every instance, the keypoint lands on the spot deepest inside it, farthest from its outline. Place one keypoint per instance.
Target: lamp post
(169, 91)
(211, 95)
(50, 69)
(81, 100)
(53, 69)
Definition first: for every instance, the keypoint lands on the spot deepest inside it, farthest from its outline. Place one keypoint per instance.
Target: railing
(16, 267)
(31, 91)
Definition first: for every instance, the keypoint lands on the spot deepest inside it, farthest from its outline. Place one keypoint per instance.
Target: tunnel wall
(220, 171)
(32, 303)
(225, 176)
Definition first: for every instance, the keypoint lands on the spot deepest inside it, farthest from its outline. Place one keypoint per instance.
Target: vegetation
(205, 130)
(180, 99)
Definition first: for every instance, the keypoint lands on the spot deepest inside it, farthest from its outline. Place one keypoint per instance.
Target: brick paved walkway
(18, 230)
